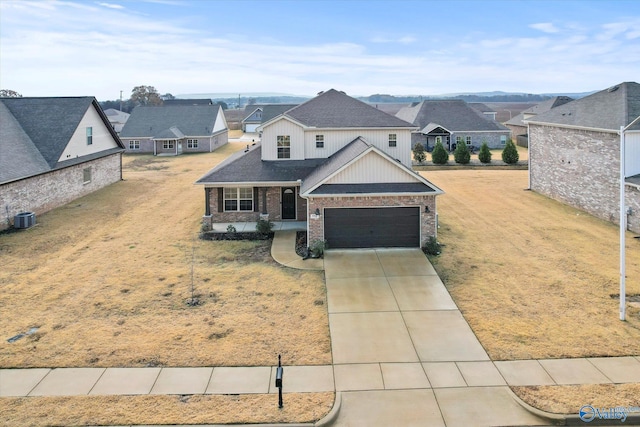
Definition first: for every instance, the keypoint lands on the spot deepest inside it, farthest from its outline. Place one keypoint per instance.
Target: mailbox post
(279, 372)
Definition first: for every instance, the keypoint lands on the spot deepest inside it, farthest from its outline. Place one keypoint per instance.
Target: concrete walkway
(403, 354)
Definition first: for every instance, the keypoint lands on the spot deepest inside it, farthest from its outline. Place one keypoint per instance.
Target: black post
(279, 372)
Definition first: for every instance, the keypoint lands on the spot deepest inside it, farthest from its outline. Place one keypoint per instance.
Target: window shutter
(256, 200)
(220, 200)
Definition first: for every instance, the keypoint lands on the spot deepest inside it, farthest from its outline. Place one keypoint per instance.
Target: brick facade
(580, 168)
(205, 145)
(632, 200)
(274, 207)
(427, 219)
(493, 139)
(45, 192)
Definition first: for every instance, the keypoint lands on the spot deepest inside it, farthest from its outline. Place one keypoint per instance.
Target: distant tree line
(379, 98)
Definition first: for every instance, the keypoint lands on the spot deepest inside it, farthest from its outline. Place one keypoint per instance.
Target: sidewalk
(403, 355)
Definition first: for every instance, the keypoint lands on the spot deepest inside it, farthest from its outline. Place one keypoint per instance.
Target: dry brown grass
(198, 409)
(562, 399)
(533, 277)
(106, 280)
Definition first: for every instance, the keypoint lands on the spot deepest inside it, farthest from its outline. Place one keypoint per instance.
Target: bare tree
(145, 95)
(8, 93)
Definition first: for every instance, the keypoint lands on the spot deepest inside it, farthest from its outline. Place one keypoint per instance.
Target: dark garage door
(372, 227)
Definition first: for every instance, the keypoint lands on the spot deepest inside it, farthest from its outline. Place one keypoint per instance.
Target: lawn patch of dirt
(106, 279)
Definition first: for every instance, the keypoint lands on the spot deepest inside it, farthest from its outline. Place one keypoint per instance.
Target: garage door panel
(372, 227)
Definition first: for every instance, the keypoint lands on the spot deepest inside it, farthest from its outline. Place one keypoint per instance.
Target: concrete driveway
(402, 352)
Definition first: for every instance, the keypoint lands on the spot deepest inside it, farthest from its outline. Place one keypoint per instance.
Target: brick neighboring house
(518, 126)
(574, 153)
(335, 162)
(175, 129)
(52, 151)
(453, 121)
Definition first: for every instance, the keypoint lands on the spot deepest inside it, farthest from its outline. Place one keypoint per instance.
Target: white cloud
(545, 27)
(111, 5)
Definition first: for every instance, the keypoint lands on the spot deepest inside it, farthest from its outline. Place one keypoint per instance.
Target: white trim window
(468, 140)
(319, 141)
(134, 144)
(459, 140)
(86, 175)
(393, 140)
(503, 139)
(89, 135)
(238, 199)
(168, 143)
(192, 143)
(284, 146)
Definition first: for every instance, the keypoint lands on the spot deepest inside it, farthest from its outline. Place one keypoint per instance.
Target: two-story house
(337, 163)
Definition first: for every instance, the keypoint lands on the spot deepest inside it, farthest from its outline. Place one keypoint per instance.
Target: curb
(331, 417)
(573, 419)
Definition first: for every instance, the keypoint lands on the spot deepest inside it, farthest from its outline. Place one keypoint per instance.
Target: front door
(289, 203)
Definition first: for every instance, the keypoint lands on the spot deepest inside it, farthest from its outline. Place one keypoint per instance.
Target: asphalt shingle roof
(455, 115)
(149, 122)
(248, 166)
(34, 132)
(334, 109)
(607, 109)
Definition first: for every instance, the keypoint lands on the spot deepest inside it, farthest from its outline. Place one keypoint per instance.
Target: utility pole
(120, 100)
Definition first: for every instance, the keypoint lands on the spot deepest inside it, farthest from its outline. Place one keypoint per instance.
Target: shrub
(264, 226)
(432, 247)
(418, 153)
(485, 154)
(510, 153)
(461, 154)
(231, 229)
(317, 248)
(439, 155)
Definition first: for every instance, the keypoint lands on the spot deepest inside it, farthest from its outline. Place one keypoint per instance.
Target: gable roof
(334, 109)
(253, 116)
(34, 132)
(540, 108)
(151, 122)
(319, 181)
(453, 114)
(269, 111)
(608, 110)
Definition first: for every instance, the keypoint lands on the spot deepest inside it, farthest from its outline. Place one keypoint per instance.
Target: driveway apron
(402, 351)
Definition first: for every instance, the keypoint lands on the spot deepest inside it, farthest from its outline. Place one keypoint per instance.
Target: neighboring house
(574, 153)
(252, 121)
(337, 163)
(52, 151)
(117, 118)
(173, 130)
(451, 122)
(187, 101)
(518, 126)
(262, 114)
(490, 113)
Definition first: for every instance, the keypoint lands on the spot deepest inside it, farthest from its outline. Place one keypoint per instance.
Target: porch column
(264, 200)
(207, 201)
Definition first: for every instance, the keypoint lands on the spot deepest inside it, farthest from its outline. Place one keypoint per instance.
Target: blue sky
(420, 47)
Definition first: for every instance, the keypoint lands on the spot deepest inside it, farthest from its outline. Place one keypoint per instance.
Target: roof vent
(613, 89)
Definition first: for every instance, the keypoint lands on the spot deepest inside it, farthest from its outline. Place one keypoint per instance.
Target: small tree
(461, 154)
(8, 93)
(439, 155)
(418, 153)
(485, 154)
(510, 153)
(145, 95)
